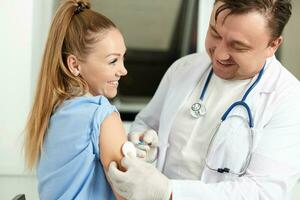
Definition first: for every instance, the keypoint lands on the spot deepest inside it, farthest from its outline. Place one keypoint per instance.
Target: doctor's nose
(221, 52)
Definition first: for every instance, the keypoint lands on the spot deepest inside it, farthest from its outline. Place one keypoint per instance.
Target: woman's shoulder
(83, 104)
(88, 100)
(75, 124)
(82, 111)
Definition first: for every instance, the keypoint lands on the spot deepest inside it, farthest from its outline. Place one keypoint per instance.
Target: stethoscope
(198, 109)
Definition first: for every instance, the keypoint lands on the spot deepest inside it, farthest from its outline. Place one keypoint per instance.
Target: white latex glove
(146, 144)
(141, 181)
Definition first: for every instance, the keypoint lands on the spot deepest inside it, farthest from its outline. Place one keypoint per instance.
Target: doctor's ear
(73, 65)
(273, 45)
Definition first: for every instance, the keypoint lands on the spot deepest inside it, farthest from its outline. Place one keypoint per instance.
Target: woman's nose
(122, 71)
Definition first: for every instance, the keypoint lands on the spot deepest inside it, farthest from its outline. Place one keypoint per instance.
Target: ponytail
(72, 32)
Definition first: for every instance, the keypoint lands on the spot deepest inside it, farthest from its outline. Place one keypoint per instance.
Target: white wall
(24, 27)
(16, 44)
(290, 49)
(22, 36)
(205, 8)
(15, 68)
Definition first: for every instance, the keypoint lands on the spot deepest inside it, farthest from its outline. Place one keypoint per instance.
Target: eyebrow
(213, 28)
(233, 42)
(116, 54)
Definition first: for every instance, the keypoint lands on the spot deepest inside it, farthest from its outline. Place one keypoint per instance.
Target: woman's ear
(73, 65)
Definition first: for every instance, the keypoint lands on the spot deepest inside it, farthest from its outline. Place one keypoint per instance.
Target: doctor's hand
(146, 144)
(141, 181)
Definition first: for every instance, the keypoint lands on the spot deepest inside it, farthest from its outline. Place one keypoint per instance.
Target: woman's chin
(111, 95)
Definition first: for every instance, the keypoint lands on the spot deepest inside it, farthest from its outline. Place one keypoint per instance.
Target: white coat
(275, 164)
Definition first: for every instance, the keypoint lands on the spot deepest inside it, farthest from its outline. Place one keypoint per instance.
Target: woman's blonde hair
(73, 31)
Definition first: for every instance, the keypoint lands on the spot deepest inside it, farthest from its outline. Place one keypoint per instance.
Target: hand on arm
(141, 180)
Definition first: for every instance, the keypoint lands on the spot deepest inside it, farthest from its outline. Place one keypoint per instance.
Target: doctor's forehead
(221, 12)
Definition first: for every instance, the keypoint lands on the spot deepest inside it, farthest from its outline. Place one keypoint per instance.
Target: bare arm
(111, 139)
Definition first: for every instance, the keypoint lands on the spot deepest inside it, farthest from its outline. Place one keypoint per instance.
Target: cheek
(249, 58)
(209, 46)
(101, 78)
(96, 78)
(247, 65)
(208, 42)
(242, 61)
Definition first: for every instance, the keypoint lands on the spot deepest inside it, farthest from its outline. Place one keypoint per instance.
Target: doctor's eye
(214, 34)
(239, 48)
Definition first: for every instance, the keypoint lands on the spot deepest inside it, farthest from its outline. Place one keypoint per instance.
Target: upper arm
(112, 137)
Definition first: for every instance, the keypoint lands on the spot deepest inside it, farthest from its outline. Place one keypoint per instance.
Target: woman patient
(73, 132)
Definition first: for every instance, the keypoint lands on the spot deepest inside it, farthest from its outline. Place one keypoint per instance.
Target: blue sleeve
(103, 110)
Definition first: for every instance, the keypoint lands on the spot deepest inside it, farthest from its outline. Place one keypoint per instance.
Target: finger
(128, 162)
(152, 155)
(124, 190)
(140, 153)
(151, 138)
(134, 137)
(143, 147)
(125, 163)
(132, 154)
(114, 174)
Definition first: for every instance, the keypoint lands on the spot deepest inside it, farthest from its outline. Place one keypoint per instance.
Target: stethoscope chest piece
(198, 109)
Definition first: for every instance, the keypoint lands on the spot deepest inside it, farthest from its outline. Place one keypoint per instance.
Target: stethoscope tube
(243, 103)
(206, 84)
(223, 118)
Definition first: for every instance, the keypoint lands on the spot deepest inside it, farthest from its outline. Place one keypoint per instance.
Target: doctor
(228, 122)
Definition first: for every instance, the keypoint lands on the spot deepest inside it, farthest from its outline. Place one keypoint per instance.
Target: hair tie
(79, 8)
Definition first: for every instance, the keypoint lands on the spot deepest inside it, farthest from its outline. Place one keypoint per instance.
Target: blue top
(69, 166)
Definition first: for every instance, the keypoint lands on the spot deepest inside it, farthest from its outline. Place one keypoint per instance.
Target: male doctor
(228, 121)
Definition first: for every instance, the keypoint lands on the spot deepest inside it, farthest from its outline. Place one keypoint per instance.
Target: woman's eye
(113, 61)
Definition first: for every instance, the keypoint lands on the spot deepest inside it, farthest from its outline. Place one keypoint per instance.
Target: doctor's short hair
(276, 12)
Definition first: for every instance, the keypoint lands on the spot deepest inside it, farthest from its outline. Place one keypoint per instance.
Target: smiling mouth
(225, 64)
(113, 83)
